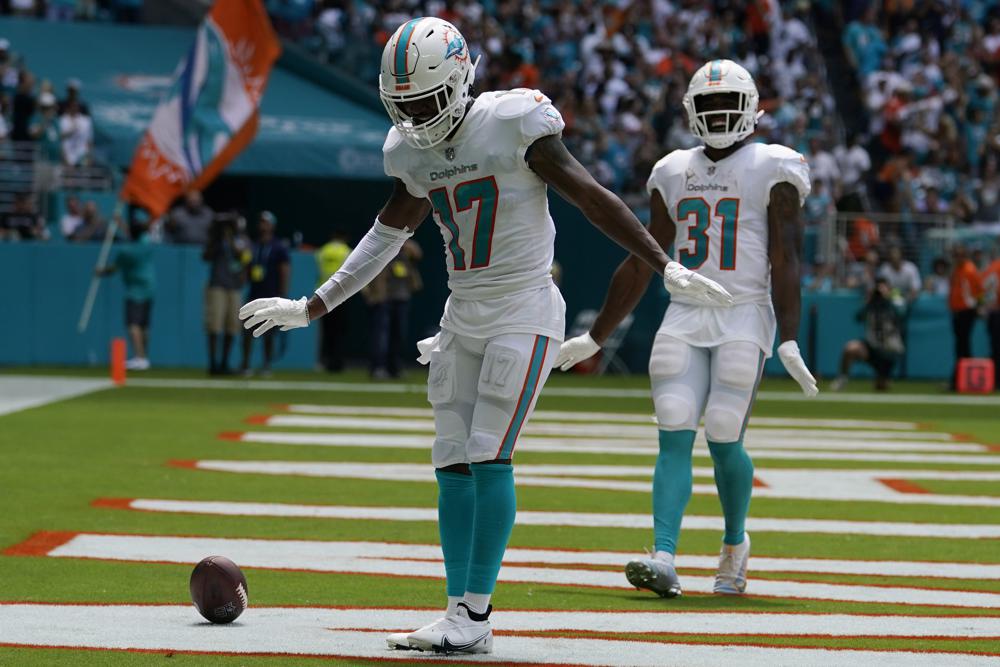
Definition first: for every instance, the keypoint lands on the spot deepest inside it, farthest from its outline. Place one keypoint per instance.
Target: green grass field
(117, 443)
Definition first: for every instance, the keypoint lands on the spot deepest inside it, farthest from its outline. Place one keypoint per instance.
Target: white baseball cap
(46, 99)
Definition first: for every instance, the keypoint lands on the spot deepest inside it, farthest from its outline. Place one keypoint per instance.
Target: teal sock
(734, 479)
(671, 487)
(495, 505)
(456, 511)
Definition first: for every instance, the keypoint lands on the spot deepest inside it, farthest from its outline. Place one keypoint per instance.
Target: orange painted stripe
(113, 503)
(759, 483)
(903, 486)
(260, 420)
(182, 463)
(234, 436)
(40, 544)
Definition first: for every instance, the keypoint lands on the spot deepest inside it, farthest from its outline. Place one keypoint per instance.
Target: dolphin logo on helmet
(722, 76)
(426, 59)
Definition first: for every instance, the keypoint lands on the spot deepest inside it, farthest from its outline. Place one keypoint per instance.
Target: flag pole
(102, 259)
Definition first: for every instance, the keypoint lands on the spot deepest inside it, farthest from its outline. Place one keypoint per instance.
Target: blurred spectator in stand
(864, 235)
(991, 283)
(72, 219)
(135, 261)
(73, 94)
(902, 275)
(60, 10)
(883, 344)
(864, 43)
(964, 297)
(22, 7)
(45, 129)
(854, 164)
(77, 132)
(23, 223)
(861, 275)
(389, 298)
(8, 68)
(333, 326)
(189, 223)
(819, 207)
(228, 254)
(92, 226)
(938, 282)
(270, 271)
(23, 109)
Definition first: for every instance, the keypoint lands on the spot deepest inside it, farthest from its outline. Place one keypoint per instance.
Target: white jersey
(720, 211)
(493, 214)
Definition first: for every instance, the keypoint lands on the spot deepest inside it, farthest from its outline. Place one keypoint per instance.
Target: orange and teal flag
(210, 113)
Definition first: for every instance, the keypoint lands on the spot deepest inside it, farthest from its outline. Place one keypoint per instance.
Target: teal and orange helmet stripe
(401, 64)
(715, 72)
(528, 391)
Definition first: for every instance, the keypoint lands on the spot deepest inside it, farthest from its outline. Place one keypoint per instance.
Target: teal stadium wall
(46, 285)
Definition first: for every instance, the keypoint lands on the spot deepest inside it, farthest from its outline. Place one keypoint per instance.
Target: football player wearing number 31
(731, 211)
(481, 164)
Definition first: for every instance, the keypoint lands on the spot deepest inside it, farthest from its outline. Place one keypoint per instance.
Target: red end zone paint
(903, 486)
(40, 544)
(260, 420)
(183, 463)
(234, 436)
(759, 484)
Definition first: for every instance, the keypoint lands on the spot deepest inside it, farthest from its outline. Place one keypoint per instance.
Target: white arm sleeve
(366, 261)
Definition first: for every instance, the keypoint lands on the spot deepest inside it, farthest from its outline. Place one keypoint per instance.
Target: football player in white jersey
(730, 209)
(481, 164)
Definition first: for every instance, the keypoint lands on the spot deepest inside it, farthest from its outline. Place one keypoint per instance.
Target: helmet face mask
(426, 80)
(721, 104)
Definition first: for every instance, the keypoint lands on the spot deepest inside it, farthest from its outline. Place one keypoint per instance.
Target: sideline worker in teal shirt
(135, 262)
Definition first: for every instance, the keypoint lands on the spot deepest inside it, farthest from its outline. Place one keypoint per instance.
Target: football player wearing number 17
(481, 164)
(731, 211)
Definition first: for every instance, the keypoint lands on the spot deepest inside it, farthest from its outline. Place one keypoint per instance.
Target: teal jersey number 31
(729, 211)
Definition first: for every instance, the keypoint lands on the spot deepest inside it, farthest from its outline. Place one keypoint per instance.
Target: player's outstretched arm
(627, 286)
(396, 222)
(553, 163)
(784, 224)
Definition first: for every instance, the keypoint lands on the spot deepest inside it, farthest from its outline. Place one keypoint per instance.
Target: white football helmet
(426, 59)
(722, 76)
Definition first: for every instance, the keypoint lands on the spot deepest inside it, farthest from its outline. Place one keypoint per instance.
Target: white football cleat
(655, 573)
(731, 579)
(400, 640)
(465, 631)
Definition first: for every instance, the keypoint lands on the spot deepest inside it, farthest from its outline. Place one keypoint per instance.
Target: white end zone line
(21, 392)
(514, 555)
(637, 446)
(793, 484)
(583, 430)
(601, 417)
(318, 632)
(572, 519)
(354, 557)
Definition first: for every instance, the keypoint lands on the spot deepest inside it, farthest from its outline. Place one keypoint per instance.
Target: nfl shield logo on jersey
(449, 153)
(711, 170)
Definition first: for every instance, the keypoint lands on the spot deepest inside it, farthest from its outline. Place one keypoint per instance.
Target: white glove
(576, 350)
(790, 356)
(680, 280)
(274, 312)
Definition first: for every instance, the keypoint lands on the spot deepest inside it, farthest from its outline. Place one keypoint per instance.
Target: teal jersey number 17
(483, 190)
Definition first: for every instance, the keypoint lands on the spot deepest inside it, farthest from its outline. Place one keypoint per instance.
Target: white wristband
(365, 262)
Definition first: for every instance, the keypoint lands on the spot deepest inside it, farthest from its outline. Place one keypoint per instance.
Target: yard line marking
(582, 430)
(625, 417)
(319, 632)
(21, 392)
(513, 555)
(571, 519)
(838, 485)
(573, 392)
(356, 557)
(513, 621)
(637, 446)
